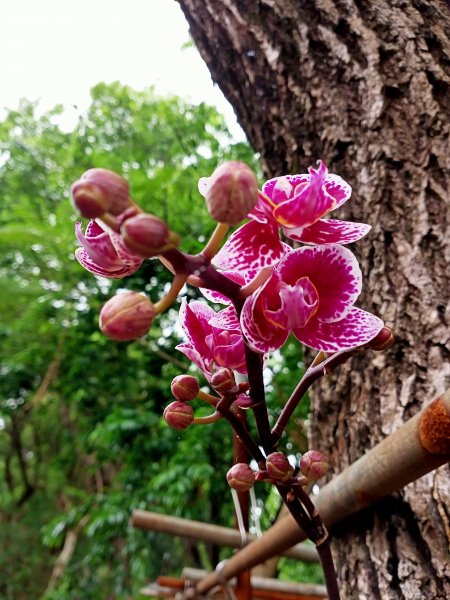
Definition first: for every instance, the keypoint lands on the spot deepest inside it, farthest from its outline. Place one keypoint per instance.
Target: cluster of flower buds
(313, 466)
(127, 316)
(179, 414)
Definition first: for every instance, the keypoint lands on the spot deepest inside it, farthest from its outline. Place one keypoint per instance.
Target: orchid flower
(311, 293)
(297, 204)
(214, 339)
(104, 253)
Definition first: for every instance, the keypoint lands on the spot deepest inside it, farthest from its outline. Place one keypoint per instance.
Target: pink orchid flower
(214, 339)
(311, 293)
(103, 252)
(296, 203)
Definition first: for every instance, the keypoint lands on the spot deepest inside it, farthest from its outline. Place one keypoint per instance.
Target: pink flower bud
(244, 401)
(184, 387)
(146, 235)
(223, 381)
(278, 466)
(382, 341)
(88, 199)
(241, 477)
(99, 191)
(314, 465)
(127, 316)
(178, 415)
(232, 192)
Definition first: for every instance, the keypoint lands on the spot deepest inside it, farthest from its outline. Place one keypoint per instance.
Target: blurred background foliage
(82, 441)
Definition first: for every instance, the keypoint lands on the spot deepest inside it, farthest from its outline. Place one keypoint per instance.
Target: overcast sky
(56, 50)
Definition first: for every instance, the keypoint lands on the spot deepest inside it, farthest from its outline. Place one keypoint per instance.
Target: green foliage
(293, 570)
(82, 441)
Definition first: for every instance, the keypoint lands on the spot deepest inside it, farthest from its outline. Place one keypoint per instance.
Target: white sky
(56, 50)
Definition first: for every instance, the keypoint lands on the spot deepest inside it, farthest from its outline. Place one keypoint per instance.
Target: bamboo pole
(222, 536)
(419, 446)
(261, 587)
(267, 584)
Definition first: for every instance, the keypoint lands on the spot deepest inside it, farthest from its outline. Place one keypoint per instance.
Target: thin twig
(314, 372)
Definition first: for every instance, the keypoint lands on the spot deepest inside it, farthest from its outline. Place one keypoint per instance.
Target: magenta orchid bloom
(214, 339)
(311, 293)
(103, 252)
(296, 203)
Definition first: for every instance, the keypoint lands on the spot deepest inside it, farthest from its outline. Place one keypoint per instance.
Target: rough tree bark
(365, 86)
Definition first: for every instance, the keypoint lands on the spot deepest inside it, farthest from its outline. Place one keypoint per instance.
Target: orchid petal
(125, 256)
(204, 183)
(280, 191)
(329, 231)
(226, 319)
(261, 334)
(102, 255)
(338, 189)
(310, 201)
(118, 272)
(356, 328)
(231, 354)
(194, 319)
(334, 272)
(208, 344)
(97, 245)
(262, 212)
(250, 248)
(194, 356)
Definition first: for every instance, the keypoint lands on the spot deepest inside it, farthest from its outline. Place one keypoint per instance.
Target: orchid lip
(299, 303)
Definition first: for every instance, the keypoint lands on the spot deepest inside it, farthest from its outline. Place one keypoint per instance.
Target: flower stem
(256, 282)
(317, 369)
(209, 398)
(241, 430)
(213, 418)
(322, 545)
(172, 294)
(213, 244)
(111, 221)
(257, 393)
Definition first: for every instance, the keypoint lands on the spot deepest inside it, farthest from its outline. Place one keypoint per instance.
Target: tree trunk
(365, 86)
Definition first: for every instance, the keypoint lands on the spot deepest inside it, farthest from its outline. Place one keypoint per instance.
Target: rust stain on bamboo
(434, 429)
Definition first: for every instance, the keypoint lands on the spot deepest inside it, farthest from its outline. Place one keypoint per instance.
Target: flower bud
(232, 192)
(184, 387)
(99, 191)
(278, 466)
(178, 415)
(382, 341)
(127, 316)
(241, 477)
(88, 199)
(314, 465)
(244, 401)
(147, 235)
(223, 381)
